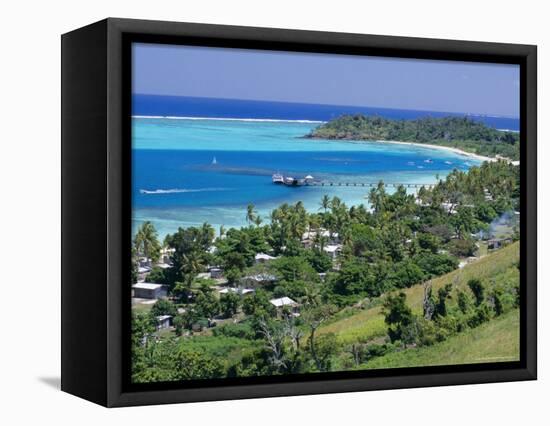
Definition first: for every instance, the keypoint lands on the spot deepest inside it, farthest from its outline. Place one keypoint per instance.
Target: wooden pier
(371, 184)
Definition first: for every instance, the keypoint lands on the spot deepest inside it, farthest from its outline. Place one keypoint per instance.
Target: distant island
(455, 132)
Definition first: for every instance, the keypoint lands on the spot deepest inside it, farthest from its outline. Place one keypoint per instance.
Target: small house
(286, 302)
(496, 243)
(164, 321)
(149, 291)
(333, 250)
(309, 238)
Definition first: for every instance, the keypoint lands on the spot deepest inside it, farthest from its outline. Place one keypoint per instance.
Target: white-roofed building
(149, 290)
(333, 250)
(309, 238)
(236, 290)
(143, 269)
(263, 258)
(163, 265)
(286, 302)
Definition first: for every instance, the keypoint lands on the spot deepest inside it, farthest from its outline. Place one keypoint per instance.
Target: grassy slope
(495, 341)
(369, 323)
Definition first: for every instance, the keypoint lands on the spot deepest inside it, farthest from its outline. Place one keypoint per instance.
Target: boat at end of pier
(278, 178)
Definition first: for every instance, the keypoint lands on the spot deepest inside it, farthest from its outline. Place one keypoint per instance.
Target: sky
(447, 86)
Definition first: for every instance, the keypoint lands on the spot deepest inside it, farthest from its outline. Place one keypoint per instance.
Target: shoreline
(443, 147)
(457, 151)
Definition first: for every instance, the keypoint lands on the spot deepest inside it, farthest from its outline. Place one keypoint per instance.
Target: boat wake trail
(181, 190)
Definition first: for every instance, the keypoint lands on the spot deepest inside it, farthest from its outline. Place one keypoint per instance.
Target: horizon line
(333, 105)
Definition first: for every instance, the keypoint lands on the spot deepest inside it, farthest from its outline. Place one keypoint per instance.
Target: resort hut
(149, 291)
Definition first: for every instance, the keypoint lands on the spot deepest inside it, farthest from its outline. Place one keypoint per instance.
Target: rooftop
(331, 248)
(283, 301)
(236, 290)
(147, 286)
(260, 277)
(163, 317)
(263, 256)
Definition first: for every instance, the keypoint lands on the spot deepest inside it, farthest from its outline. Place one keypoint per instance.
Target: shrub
(229, 304)
(240, 330)
(435, 264)
(157, 275)
(477, 289)
(163, 307)
(462, 248)
(400, 319)
(482, 314)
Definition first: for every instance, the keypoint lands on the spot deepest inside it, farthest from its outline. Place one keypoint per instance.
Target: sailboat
(214, 161)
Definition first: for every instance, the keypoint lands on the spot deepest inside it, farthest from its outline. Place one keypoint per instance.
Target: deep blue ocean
(208, 166)
(152, 105)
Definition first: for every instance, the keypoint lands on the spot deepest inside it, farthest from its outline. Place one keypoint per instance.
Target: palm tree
(335, 203)
(320, 241)
(250, 213)
(146, 241)
(207, 234)
(377, 197)
(258, 220)
(192, 263)
(325, 203)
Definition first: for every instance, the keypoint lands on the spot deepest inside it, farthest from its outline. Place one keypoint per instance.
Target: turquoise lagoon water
(175, 183)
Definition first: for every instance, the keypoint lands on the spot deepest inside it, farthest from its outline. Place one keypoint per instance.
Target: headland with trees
(461, 133)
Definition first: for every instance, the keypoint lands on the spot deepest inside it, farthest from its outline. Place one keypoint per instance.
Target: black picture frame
(96, 206)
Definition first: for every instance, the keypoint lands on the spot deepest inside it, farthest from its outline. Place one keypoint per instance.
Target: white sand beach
(447, 148)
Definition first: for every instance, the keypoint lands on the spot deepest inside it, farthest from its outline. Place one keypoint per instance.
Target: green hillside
(495, 341)
(369, 323)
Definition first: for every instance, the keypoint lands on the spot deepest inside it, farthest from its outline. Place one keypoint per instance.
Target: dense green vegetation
(457, 132)
(393, 289)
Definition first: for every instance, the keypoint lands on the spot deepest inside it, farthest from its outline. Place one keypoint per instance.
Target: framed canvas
(256, 212)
